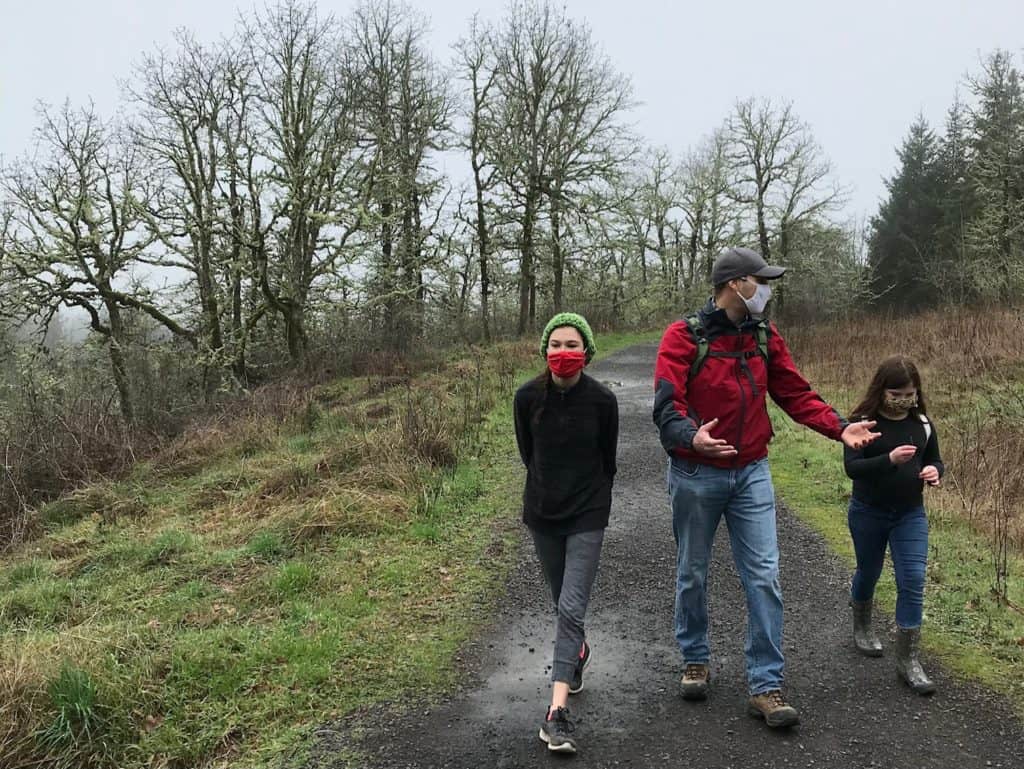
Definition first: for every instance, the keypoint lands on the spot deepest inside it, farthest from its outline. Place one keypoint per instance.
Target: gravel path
(854, 711)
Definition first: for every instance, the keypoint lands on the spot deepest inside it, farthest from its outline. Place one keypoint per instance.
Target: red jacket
(732, 389)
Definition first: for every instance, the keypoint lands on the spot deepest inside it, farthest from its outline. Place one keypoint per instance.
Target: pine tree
(958, 202)
(902, 245)
(997, 171)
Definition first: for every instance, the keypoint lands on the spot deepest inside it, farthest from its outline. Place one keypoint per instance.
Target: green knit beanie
(579, 323)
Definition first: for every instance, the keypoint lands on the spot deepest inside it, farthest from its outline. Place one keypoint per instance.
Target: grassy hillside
(262, 576)
(327, 548)
(324, 550)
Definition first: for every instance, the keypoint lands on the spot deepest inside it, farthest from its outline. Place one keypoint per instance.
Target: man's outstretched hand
(857, 435)
(704, 444)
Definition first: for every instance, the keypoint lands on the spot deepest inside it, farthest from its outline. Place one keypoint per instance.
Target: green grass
(266, 546)
(964, 625)
(221, 605)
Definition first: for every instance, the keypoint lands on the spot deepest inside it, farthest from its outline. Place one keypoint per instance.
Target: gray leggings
(570, 566)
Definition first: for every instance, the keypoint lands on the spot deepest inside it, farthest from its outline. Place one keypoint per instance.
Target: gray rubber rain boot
(908, 643)
(863, 634)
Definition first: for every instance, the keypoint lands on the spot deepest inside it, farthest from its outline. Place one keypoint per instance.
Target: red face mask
(566, 364)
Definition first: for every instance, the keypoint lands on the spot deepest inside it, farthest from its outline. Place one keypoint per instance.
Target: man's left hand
(857, 435)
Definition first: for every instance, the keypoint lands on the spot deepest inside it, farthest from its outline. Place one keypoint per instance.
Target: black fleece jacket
(567, 440)
(880, 483)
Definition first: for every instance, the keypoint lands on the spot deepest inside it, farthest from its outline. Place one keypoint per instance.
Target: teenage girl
(887, 508)
(567, 426)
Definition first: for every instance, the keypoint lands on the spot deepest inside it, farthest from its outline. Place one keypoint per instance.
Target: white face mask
(757, 303)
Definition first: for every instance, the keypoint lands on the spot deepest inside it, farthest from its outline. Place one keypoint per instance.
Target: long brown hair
(893, 373)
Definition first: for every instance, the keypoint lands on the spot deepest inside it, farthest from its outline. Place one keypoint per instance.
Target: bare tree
(74, 231)
(642, 203)
(558, 103)
(589, 144)
(760, 136)
(661, 196)
(190, 107)
(611, 251)
(315, 176)
(707, 199)
(778, 168)
(781, 172)
(635, 202)
(405, 112)
(476, 62)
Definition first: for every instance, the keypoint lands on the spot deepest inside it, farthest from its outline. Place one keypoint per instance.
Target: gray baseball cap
(737, 262)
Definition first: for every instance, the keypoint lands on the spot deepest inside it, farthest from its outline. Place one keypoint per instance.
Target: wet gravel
(854, 711)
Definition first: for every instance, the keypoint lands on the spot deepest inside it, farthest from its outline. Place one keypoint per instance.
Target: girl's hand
(930, 475)
(903, 454)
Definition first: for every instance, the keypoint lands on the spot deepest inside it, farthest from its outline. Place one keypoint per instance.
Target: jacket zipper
(743, 417)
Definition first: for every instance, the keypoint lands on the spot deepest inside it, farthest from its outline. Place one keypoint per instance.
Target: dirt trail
(854, 711)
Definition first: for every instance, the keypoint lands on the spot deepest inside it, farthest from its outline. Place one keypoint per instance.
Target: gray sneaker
(556, 730)
(576, 685)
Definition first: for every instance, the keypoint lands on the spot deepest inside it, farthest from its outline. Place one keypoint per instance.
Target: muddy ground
(854, 711)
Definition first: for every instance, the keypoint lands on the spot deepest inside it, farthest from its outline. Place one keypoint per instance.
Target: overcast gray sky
(857, 72)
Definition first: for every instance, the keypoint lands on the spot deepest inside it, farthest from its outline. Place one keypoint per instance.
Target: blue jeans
(906, 533)
(701, 495)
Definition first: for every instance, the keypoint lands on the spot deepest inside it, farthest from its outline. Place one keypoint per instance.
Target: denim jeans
(906, 533)
(701, 495)
(570, 567)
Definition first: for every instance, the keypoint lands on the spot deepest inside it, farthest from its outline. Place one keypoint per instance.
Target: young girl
(567, 427)
(887, 507)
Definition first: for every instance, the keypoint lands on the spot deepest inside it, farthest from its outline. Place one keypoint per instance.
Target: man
(713, 372)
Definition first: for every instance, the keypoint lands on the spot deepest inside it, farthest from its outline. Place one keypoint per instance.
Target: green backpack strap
(700, 338)
(693, 322)
(761, 334)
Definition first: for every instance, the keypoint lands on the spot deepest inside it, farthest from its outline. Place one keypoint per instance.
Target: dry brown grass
(22, 695)
(972, 369)
(367, 472)
(208, 441)
(344, 510)
(99, 501)
(951, 346)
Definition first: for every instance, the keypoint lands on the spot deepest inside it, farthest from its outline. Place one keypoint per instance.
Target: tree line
(313, 183)
(950, 228)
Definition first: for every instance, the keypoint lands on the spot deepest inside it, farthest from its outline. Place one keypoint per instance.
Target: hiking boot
(576, 685)
(773, 709)
(863, 635)
(908, 643)
(557, 730)
(695, 681)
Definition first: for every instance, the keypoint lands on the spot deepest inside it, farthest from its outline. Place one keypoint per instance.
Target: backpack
(696, 326)
(927, 427)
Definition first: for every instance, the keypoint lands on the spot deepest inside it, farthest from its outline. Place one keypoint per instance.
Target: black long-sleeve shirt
(880, 483)
(567, 440)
